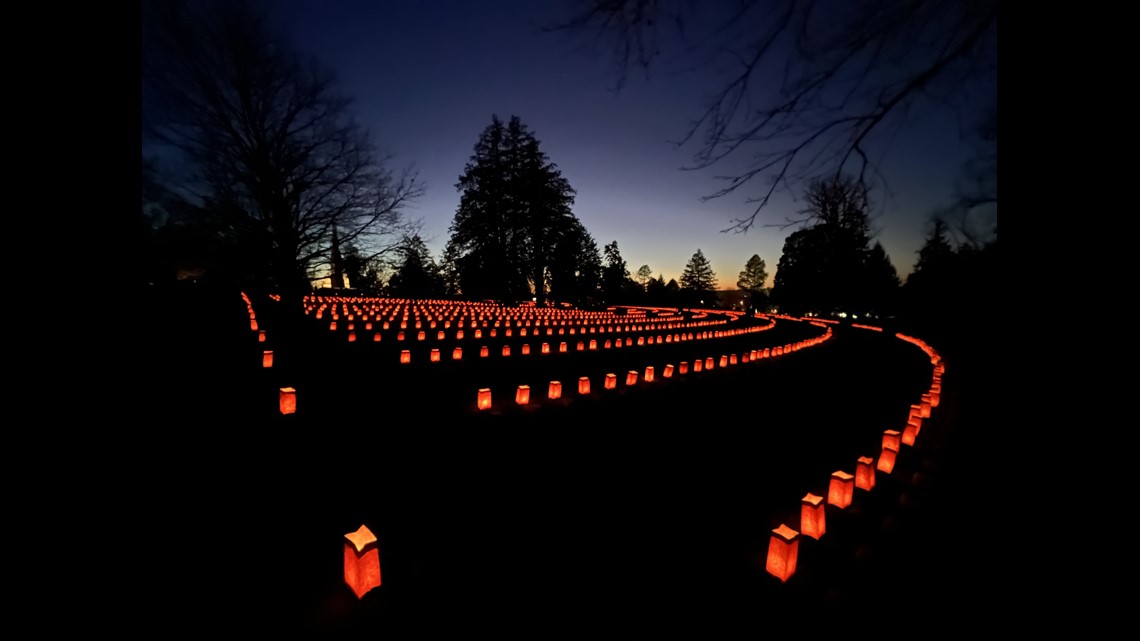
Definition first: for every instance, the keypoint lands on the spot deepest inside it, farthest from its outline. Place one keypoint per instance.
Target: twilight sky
(427, 75)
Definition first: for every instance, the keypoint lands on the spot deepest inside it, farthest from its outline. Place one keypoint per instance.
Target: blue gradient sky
(427, 76)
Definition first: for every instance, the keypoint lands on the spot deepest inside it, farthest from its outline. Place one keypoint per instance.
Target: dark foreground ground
(645, 510)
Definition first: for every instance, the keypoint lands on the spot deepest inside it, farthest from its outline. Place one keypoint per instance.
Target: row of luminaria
(783, 546)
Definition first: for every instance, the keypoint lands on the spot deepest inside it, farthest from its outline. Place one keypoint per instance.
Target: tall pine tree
(513, 213)
(699, 280)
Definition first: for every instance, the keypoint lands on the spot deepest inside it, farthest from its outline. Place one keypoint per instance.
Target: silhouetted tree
(699, 281)
(829, 266)
(644, 275)
(449, 271)
(816, 88)
(882, 282)
(277, 161)
(513, 211)
(655, 293)
(415, 273)
(576, 268)
(673, 295)
(617, 286)
(751, 281)
(363, 273)
(931, 289)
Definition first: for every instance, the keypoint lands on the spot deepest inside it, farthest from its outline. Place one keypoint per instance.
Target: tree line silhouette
(263, 181)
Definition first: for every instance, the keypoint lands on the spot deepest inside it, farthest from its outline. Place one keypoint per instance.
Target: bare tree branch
(280, 159)
(848, 68)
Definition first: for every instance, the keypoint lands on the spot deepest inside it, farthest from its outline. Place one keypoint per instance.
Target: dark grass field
(643, 508)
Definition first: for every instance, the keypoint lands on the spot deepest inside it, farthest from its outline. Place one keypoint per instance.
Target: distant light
(842, 314)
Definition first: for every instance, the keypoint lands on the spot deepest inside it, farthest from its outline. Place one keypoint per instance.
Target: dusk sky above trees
(426, 77)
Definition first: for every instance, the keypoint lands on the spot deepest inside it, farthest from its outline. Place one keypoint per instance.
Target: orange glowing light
(709, 363)
(698, 365)
(484, 352)
(813, 521)
(483, 401)
(405, 356)
(261, 336)
(668, 372)
(649, 374)
(683, 367)
(892, 440)
(435, 355)
(522, 396)
(910, 432)
(841, 489)
(506, 350)
(546, 348)
(555, 390)
(783, 548)
(584, 385)
(611, 381)
(865, 473)
(267, 358)
(287, 400)
(887, 460)
(631, 377)
(724, 361)
(361, 561)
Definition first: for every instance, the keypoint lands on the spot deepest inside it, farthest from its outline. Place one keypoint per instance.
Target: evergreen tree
(829, 266)
(617, 286)
(644, 275)
(416, 274)
(882, 282)
(576, 267)
(751, 281)
(513, 212)
(699, 279)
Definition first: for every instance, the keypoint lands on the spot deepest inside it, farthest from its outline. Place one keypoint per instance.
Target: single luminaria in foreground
(892, 440)
(910, 432)
(813, 522)
(484, 399)
(287, 400)
(361, 561)
(887, 460)
(865, 473)
(841, 489)
(783, 548)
